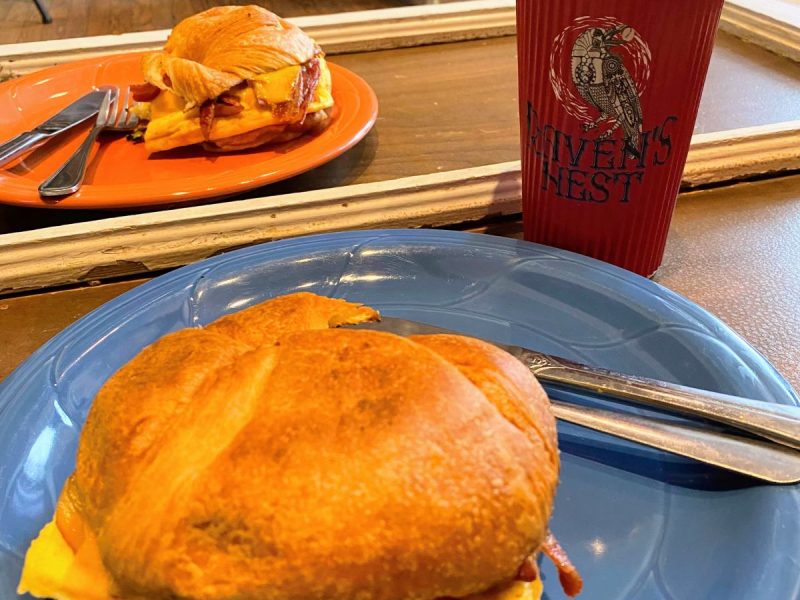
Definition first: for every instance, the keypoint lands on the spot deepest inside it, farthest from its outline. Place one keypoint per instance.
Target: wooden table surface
(733, 249)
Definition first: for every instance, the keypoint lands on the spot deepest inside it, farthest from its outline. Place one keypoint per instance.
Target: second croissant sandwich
(232, 78)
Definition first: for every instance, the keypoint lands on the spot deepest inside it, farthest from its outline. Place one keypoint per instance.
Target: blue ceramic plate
(639, 524)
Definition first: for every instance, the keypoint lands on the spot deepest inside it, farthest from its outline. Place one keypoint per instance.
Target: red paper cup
(609, 93)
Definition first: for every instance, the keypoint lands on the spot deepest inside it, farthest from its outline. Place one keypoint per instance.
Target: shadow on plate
(674, 471)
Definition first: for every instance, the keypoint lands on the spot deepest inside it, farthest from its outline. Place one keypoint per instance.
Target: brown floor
(78, 18)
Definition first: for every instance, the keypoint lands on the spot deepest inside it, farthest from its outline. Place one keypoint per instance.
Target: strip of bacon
(144, 92)
(228, 99)
(207, 117)
(568, 575)
(307, 83)
(226, 110)
(528, 570)
(304, 87)
(225, 105)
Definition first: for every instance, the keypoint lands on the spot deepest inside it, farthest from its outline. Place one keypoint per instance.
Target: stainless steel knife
(74, 114)
(776, 422)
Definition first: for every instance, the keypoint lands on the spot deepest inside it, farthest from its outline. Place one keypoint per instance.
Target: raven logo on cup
(609, 66)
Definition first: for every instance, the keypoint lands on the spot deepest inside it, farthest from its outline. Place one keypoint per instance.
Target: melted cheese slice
(171, 126)
(53, 570)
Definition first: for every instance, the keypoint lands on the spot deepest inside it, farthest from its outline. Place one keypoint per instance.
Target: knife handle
(20, 144)
(776, 422)
(68, 178)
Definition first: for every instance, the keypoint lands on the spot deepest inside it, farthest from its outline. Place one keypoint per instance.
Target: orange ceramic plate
(121, 175)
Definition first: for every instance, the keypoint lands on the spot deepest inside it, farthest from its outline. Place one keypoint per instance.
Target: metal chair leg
(46, 18)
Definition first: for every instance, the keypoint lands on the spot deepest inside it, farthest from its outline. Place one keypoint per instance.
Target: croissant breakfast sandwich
(269, 456)
(231, 78)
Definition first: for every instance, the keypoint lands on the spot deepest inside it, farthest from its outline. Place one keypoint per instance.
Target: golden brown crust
(210, 52)
(132, 412)
(288, 461)
(267, 322)
(505, 381)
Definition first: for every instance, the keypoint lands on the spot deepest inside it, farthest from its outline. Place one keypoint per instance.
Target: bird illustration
(604, 82)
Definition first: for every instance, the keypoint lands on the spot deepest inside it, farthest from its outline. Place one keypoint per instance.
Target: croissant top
(212, 51)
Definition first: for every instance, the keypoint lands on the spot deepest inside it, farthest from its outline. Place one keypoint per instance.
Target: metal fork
(126, 121)
(69, 177)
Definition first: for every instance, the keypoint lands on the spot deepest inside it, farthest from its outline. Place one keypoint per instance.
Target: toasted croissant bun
(210, 52)
(268, 70)
(268, 457)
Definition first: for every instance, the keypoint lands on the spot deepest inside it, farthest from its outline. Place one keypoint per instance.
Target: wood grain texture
(80, 18)
(772, 24)
(739, 154)
(734, 251)
(29, 321)
(151, 242)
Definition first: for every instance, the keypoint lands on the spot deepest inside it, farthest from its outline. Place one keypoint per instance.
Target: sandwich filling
(282, 100)
(68, 566)
(53, 569)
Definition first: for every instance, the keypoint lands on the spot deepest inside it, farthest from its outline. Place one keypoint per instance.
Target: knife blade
(76, 113)
(776, 422)
(749, 456)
